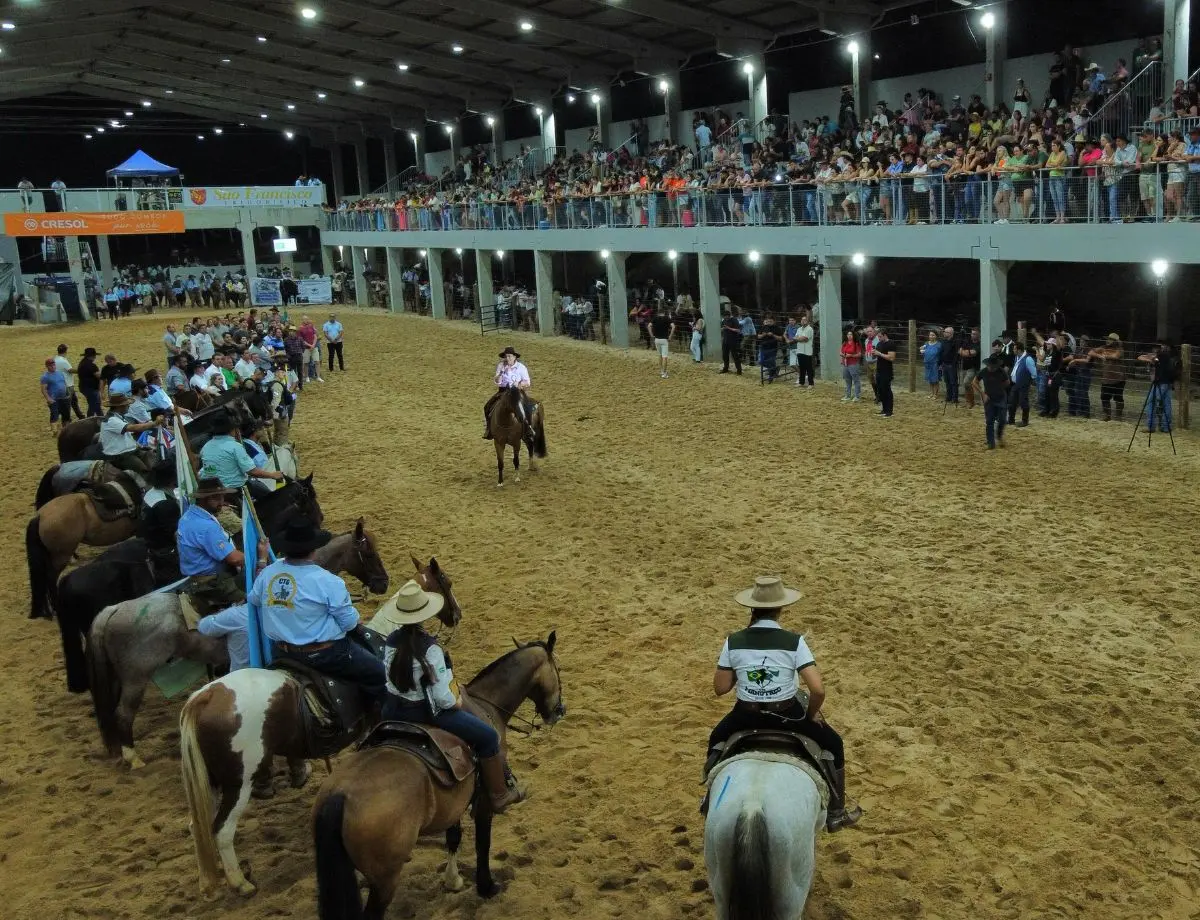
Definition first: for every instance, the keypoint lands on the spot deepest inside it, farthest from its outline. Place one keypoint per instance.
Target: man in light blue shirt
(306, 612)
(206, 552)
(224, 458)
(333, 341)
(230, 625)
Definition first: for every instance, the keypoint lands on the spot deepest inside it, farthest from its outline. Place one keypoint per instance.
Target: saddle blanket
(775, 757)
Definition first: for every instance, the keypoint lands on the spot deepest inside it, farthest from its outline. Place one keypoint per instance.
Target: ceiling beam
(101, 87)
(685, 16)
(856, 7)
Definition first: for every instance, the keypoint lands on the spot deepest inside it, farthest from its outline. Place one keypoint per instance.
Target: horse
(509, 431)
(76, 437)
(295, 496)
(370, 811)
(131, 640)
(65, 478)
(60, 526)
(230, 732)
(121, 573)
(760, 837)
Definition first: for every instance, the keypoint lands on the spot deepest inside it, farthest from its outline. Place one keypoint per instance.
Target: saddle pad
(775, 757)
(190, 616)
(446, 755)
(113, 501)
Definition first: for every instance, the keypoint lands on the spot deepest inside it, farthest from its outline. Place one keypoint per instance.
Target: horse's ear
(416, 562)
(308, 479)
(433, 564)
(550, 642)
(358, 529)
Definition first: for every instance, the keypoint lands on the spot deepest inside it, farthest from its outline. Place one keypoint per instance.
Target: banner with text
(315, 290)
(264, 292)
(256, 196)
(70, 223)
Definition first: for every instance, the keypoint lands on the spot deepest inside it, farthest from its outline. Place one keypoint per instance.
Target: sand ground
(1009, 641)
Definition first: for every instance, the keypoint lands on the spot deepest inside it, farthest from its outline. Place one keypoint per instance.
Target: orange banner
(70, 223)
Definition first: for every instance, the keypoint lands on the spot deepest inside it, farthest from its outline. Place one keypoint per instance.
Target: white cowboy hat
(409, 605)
(768, 592)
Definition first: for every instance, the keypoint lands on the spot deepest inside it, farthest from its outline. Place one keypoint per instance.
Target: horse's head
(304, 498)
(365, 564)
(435, 580)
(545, 689)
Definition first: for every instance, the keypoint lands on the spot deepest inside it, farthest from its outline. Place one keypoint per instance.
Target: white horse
(282, 459)
(764, 813)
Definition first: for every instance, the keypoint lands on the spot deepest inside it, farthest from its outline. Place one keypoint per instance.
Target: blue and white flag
(260, 645)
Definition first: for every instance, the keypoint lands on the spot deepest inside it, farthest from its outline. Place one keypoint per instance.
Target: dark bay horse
(65, 478)
(131, 640)
(509, 431)
(76, 437)
(379, 800)
(230, 731)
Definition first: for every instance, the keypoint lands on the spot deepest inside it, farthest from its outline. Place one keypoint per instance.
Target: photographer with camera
(1163, 374)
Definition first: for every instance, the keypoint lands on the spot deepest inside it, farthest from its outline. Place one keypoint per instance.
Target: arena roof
(319, 64)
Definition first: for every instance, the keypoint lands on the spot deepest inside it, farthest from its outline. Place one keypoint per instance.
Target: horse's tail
(337, 886)
(105, 687)
(539, 434)
(197, 787)
(74, 608)
(41, 573)
(45, 489)
(750, 894)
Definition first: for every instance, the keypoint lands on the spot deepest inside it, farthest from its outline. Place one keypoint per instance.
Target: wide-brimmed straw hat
(300, 536)
(768, 593)
(211, 486)
(410, 605)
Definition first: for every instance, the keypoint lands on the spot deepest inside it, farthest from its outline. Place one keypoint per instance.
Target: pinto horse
(131, 640)
(230, 731)
(509, 431)
(379, 800)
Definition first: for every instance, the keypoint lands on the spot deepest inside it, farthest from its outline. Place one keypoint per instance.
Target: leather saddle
(447, 757)
(112, 500)
(773, 741)
(332, 711)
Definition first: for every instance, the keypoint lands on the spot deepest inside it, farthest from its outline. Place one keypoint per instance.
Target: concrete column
(485, 287)
(860, 71)
(993, 301)
(360, 164)
(395, 273)
(671, 108)
(328, 263)
(497, 129)
(543, 273)
(437, 283)
(104, 256)
(710, 302)
(548, 135)
(829, 315)
(417, 139)
(1177, 33)
(339, 173)
(389, 164)
(618, 300)
(996, 50)
(75, 265)
(603, 113)
(756, 88)
(248, 258)
(358, 259)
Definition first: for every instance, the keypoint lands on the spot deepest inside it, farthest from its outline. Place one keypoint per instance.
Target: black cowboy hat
(211, 486)
(89, 353)
(300, 536)
(509, 350)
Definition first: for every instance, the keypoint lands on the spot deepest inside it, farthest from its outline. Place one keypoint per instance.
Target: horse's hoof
(246, 889)
(488, 889)
(130, 756)
(453, 884)
(499, 485)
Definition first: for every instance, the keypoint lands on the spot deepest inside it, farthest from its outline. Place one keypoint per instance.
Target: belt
(311, 647)
(775, 706)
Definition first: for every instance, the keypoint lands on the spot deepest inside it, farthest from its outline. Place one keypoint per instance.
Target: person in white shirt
(63, 363)
(245, 367)
(202, 343)
(213, 377)
(510, 372)
(116, 436)
(200, 383)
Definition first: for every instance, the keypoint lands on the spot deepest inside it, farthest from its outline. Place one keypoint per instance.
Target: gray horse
(131, 640)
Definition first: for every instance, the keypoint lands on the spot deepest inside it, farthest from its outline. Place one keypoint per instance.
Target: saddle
(772, 744)
(447, 757)
(112, 500)
(76, 474)
(332, 713)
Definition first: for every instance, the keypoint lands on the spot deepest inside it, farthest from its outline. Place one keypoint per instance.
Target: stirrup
(841, 818)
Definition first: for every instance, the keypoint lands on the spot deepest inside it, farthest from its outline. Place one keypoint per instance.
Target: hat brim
(746, 599)
(390, 617)
(304, 547)
(515, 354)
(211, 493)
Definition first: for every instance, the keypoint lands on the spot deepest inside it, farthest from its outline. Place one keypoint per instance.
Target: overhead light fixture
(490, 121)
(169, 92)
(412, 136)
(595, 98)
(458, 250)
(8, 26)
(199, 137)
(449, 129)
(241, 124)
(218, 130)
(604, 253)
(291, 107)
(421, 253)
(99, 130)
(1159, 267)
(456, 48)
(852, 47)
(500, 253)
(537, 111)
(146, 103)
(987, 20)
(226, 61)
(858, 259)
(360, 82)
(289, 134)
(402, 67)
(308, 13)
(87, 137)
(128, 114)
(262, 39)
(877, 57)
(747, 68)
(262, 115)
(114, 122)
(526, 25)
(672, 255)
(320, 95)
(570, 98)
(663, 86)
(754, 256)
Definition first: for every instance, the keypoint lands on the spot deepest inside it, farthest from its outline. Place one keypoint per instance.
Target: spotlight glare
(412, 135)
(169, 92)
(490, 121)
(360, 82)
(421, 252)
(402, 67)
(570, 98)
(449, 129)
(128, 114)
(1159, 267)
(859, 259)
(199, 137)
(987, 20)
(262, 114)
(604, 253)
(87, 137)
(218, 130)
(291, 107)
(538, 111)
(663, 86)
(225, 60)
(99, 130)
(595, 98)
(458, 250)
(754, 256)
(146, 103)
(747, 68)
(672, 255)
(526, 25)
(8, 26)
(499, 253)
(289, 134)
(852, 47)
(262, 39)
(320, 95)
(456, 48)
(308, 13)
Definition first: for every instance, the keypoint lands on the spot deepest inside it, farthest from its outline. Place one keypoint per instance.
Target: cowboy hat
(407, 606)
(509, 350)
(89, 353)
(119, 401)
(1113, 337)
(211, 486)
(768, 593)
(300, 536)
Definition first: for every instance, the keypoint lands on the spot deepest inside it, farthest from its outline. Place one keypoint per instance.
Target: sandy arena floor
(1009, 641)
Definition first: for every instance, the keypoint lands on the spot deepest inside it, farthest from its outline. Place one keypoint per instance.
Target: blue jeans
(995, 416)
(1158, 407)
(478, 734)
(345, 659)
(1058, 195)
(852, 376)
(950, 377)
(1114, 213)
(93, 402)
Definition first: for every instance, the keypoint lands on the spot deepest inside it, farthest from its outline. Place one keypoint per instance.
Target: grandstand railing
(1128, 107)
(169, 198)
(1096, 194)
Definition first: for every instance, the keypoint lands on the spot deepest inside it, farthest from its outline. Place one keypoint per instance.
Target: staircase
(1125, 111)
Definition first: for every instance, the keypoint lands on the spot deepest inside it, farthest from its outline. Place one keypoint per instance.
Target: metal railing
(166, 198)
(1128, 107)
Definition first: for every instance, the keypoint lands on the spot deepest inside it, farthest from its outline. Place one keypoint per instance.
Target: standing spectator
(869, 339)
(731, 343)
(791, 345)
(704, 142)
(54, 390)
(929, 357)
(1052, 366)
(333, 341)
(1079, 398)
(1112, 376)
(1191, 153)
(1162, 381)
(697, 343)
(308, 334)
(769, 340)
(948, 361)
(749, 335)
(661, 328)
(851, 357)
(1024, 372)
(60, 192)
(885, 369)
(25, 187)
(991, 384)
(968, 353)
(804, 352)
(63, 364)
(108, 373)
(171, 343)
(89, 381)
(177, 376)
(293, 347)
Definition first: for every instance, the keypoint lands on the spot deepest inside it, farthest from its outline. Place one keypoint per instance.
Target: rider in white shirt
(510, 372)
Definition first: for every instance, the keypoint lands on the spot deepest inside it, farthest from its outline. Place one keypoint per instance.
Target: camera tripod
(1157, 404)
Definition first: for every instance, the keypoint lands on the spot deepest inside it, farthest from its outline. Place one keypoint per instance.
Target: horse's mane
(488, 669)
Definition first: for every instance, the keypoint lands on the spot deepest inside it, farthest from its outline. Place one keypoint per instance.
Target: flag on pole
(260, 646)
(185, 476)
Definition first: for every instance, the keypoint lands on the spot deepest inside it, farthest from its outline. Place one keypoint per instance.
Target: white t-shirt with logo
(766, 675)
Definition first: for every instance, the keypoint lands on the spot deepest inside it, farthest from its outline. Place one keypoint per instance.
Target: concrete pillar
(75, 265)
(603, 112)
(548, 137)
(389, 164)
(395, 273)
(860, 72)
(361, 169)
(497, 129)
(358, 259)
(710, 302)
(671, 109)
(756, 88)
(248, 258)
(996, 51)
(104, 256)
(437, 283)
(328, 262)
(417, 139)
(485, 287)
(993, 301)
(339, 173)
(829, 315)
(543, 273)
(618, 300)
(1177, 33)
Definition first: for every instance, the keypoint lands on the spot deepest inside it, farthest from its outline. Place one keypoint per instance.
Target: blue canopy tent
(142, 166)
(147, 181)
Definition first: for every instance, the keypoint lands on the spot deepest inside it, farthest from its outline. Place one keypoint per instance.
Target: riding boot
(840, 816)
(1107, 414)
(497, 788)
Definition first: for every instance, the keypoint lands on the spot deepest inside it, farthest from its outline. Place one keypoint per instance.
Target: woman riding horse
(421, 688)
(510, 372)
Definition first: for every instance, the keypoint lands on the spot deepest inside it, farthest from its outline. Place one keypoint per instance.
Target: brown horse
(76, 437)
(231, 730)
(57, 530)
(509, 431)
(65, 478)
(379, 800)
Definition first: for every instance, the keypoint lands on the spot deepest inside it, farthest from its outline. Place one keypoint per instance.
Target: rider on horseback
(762, 662)
(116, 437)
(206, 552)
(510, 372)
(421, 688)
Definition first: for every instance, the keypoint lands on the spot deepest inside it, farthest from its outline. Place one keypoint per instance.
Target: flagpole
(251, 528)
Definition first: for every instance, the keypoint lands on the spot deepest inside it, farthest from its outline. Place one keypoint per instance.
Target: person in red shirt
(852, 355)
(312, 357)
